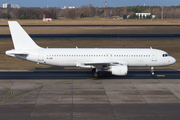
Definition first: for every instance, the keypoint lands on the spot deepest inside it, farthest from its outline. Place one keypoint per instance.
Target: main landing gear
(152, 71)
(95, 73)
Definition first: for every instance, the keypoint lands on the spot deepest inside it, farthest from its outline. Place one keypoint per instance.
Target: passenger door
(41, 57)
(154, 56)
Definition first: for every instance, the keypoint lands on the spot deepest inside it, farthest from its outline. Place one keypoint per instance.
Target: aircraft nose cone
(172, 61)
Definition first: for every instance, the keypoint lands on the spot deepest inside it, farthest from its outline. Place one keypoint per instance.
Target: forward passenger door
(154, 56)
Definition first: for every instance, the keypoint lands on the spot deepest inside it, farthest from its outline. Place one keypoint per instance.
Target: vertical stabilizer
(21, 39)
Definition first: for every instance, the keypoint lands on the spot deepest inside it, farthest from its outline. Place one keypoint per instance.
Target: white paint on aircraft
(113, 60)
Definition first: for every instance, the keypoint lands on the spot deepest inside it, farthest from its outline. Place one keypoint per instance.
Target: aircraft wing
(100, 63)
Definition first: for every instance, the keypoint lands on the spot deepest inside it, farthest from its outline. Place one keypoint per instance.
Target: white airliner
(112, 60)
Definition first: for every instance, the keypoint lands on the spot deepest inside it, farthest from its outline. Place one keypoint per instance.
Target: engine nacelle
(119, 70)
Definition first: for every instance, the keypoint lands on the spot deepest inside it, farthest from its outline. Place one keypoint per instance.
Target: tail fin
(21, 39)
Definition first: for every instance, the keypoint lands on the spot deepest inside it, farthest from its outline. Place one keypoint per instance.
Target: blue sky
(96, 3)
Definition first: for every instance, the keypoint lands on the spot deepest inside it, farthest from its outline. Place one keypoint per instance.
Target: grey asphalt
(76, 95)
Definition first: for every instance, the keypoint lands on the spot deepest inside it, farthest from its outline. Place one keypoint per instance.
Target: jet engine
(120, 70)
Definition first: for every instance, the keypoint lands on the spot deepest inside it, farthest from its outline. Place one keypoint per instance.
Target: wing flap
(100, 63)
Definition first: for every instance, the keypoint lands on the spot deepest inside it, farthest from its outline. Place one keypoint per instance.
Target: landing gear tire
(96, 74)
(93, 70)
(152, 71)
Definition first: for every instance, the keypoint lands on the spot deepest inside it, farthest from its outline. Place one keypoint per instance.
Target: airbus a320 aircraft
(112, 60)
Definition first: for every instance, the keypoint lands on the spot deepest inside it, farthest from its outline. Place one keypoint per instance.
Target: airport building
(7, 5)
(142, 15)
(15, 6)
(70, 7)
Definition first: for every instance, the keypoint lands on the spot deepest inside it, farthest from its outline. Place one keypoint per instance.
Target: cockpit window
(165, 55)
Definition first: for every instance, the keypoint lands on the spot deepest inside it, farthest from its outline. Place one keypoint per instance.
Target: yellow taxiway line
(7, 99)
(150, 75)
(11, 92)
(160, 75)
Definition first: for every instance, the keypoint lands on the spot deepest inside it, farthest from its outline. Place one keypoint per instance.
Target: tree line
(88, 11)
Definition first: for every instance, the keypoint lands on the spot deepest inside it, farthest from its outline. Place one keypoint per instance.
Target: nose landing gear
(152, 71)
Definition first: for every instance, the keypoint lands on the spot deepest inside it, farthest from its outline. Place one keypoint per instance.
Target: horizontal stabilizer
(14, 52)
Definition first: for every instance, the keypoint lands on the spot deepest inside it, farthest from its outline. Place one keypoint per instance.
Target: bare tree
(84, 10)
(109, 12)
(91, 10)
(71, 14)
(88, 11)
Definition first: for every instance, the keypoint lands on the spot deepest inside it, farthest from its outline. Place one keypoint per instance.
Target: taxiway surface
(76, 95)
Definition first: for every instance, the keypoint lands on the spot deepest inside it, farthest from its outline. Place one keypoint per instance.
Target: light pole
(162, 13)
